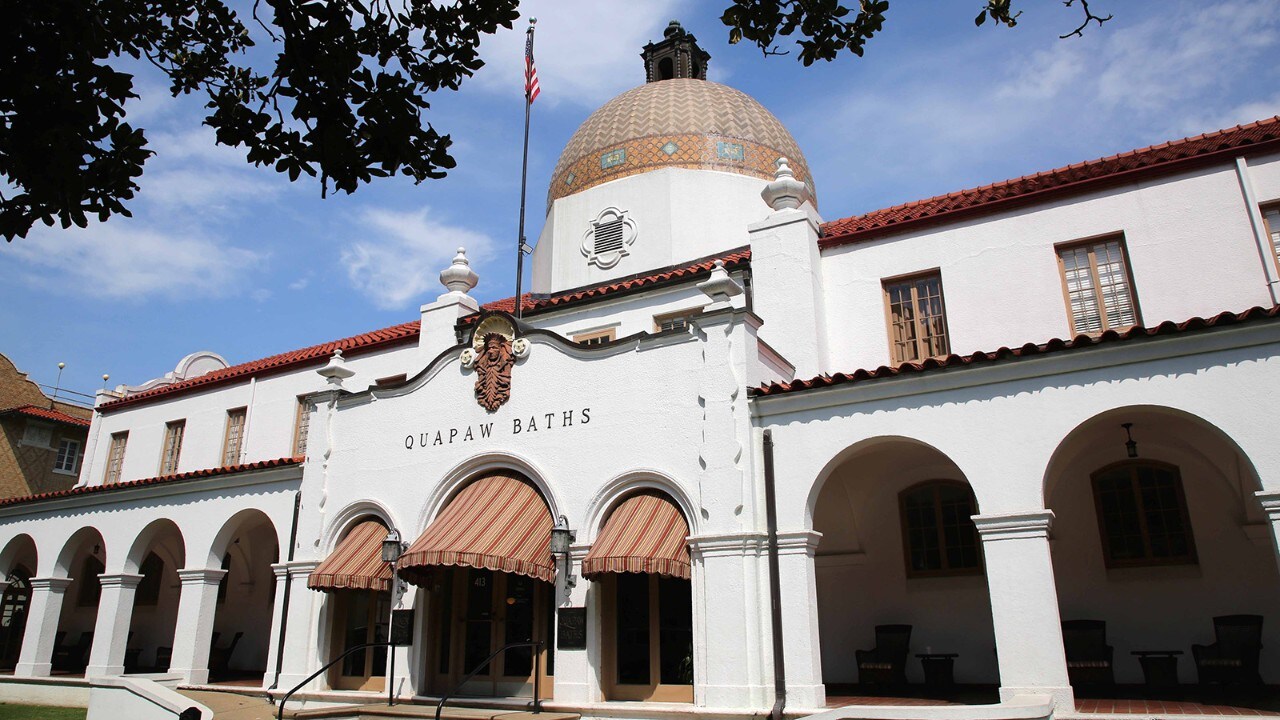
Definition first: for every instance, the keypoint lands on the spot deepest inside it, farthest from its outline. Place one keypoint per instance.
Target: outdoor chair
(886, 663)
(72, 658)
(220, 658)
(164, 657)
(1233, 657)
(1089, 657)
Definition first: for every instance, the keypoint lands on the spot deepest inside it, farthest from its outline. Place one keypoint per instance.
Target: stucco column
(576, 681)
(730, 621)
(302, 637)
(280, 572)
(197, 605)
(43, 613)
(802, 653)
(1024, 606)
(111, 630)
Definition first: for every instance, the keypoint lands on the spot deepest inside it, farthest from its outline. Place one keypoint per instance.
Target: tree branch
(1088, 15)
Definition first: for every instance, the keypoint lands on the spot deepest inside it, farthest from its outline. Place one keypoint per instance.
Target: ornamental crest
(493, 352)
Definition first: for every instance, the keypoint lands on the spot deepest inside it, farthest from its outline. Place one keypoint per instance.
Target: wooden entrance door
(648, 638)
(13, 617)
(361, 616)
(480, 611)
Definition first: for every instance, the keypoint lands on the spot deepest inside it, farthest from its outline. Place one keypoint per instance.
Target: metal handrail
(331, 663)
(537, 676)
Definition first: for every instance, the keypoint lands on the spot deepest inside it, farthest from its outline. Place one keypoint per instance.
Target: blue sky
(226, 257)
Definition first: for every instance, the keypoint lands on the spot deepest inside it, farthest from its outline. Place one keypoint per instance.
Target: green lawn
(40, 712)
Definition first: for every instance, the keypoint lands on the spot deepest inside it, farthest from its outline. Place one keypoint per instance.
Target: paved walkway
(234, 706)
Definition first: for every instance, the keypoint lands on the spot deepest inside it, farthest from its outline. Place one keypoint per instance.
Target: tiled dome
(684, 123)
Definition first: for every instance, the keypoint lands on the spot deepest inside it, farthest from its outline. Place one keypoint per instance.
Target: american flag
(531, 88)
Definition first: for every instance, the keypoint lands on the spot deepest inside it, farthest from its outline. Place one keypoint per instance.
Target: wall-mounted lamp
(561, 537)
(1130, 446)
(391, 548)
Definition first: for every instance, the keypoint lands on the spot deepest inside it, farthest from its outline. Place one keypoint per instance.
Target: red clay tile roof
(316, 354)
(1169, 157)
(408, 332)
(47, 414)
(163, 479)
(531, 305)
(1254, 314)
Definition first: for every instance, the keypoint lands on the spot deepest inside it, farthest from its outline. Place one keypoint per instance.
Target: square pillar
(197, 604)
(732, 667)
(800, 641)
(43, 613)
(302, 638)
(280, 572)
(1270, 500)
(1024, 606)
(111, 630)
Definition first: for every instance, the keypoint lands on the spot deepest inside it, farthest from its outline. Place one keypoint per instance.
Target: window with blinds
(234, 438)
(917, 318)
(173, 432)
(115, 457)
(599, 337)
(1271, 218)
(1099, 293)
(301, 425)
(674, 321)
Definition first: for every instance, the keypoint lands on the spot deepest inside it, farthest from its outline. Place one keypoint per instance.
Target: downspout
(288, 586)
(775, 582)
(1265, 251)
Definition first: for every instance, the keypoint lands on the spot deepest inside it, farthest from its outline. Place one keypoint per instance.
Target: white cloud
(127, 260)
(586, 50)
(398, 255)
(190, 171)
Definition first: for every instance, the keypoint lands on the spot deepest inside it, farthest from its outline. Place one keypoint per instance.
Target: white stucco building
(941, 394)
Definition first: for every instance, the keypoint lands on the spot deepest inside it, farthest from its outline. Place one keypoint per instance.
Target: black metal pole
(524, 178)
(288, 585)
(775, 582)
(391, 675)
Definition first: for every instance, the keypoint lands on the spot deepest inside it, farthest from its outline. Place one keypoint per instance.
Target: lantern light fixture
(561, 538)
(1130, 445)
(391, 547)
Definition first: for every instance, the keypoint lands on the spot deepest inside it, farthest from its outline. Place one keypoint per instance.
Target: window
(1142, 515)
(917, 318)
(1097, 286)
(90, 584)
(1271, 221)
(152, 570)
(115, 457)
(937, 529)
(675, 321)
(68, 459)
(234, 438)
(301, 425)
(173, 432)
(598, 337)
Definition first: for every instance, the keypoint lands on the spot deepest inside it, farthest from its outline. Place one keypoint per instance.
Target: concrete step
(361, 712)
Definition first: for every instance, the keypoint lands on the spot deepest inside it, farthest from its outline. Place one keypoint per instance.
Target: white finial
(336, 371)
(785, 192)
(719, 287)
(459, 277)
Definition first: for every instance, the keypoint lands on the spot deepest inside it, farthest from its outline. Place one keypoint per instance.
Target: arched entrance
(487, 563)
(641, 560)
(157, 555)
(1153, 543)
(357, 584)
(83, 559)
(903, 602)
(245, 548)
(19, 561)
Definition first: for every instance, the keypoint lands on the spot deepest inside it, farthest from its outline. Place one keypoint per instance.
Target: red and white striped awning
(356, 564)
(498, 522)
(645, 534)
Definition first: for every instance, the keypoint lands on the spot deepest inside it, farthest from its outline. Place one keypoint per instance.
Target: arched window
(1142, 515)
(938, 534)
(148, 592)
(90, 585)
(13, 616)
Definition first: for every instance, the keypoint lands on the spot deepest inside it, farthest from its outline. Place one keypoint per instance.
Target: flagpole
(521, 245)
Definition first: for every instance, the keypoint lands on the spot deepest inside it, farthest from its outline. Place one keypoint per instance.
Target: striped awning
(499, 522)
(645, 534)
(356, 564)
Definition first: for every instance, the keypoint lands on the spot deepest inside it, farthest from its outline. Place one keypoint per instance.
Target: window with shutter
(917, 318)
(115, 457)
(173, 432)
(1099, 292)
(1271, 219)
(302, 424)
(234, 438)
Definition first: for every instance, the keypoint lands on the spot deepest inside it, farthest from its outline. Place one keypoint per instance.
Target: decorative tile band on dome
(690, 151)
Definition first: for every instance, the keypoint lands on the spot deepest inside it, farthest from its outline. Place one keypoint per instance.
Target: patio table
(1159, 667)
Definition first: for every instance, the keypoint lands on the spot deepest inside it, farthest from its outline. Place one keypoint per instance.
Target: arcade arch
(898, 548)
(245, 547)
(157, 554)
(1176, 517)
